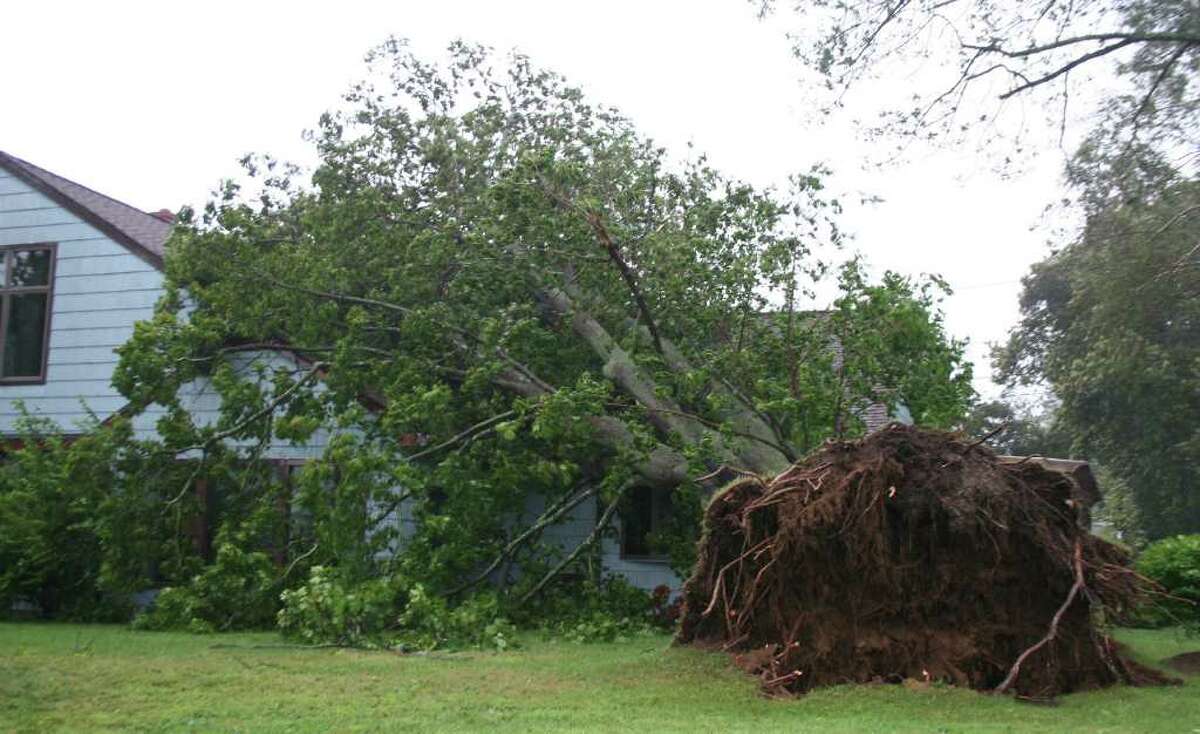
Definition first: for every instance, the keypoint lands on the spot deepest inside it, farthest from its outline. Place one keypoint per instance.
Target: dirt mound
(910, 555)
(1187, 662)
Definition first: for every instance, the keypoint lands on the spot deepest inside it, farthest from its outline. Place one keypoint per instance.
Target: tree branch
(591, 539)
(631, 280)
(614, 254)
(551, 516)
(1065, 68)
(1125, 38)
(1158, 80)
(467, 433)
(621, 369)
(266, 410)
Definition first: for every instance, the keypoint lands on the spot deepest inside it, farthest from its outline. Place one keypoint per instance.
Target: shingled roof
(143, 233)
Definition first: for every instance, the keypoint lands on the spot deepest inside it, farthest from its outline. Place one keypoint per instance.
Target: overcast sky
(152, 103)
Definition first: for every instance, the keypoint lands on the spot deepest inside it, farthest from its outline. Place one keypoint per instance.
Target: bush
(387, 612)
(1173, 563)
(72, 543)
(238, 591)
(428, 622)
(325, 610)
(587, 611)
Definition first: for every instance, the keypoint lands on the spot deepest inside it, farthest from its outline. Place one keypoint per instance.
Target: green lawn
(88, 678)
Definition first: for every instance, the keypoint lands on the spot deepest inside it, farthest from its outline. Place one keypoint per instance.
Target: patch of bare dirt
(1188, 662)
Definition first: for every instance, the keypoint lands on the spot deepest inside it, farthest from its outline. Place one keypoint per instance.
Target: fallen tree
(493, 309)
(911, 554)
(555, 306)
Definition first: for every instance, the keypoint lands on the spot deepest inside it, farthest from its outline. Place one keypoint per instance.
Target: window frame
(6, 292)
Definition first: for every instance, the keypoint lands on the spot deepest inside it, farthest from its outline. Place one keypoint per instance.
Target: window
(297, 533)
(25, 312)
(644, 512)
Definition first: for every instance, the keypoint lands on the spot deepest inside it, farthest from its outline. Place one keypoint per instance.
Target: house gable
(144, 234)
(107, 276)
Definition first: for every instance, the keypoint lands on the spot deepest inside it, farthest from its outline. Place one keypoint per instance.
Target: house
(82, 268)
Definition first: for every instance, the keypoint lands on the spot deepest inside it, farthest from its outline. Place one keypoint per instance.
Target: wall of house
(100, 290)
(576, 527)
(203, 404)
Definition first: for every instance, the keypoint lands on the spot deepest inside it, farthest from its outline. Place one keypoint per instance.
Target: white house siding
(574, 529)
(100, 290)
(642, 574)
(203, 404)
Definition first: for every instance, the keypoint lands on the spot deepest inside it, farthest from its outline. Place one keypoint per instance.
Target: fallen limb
(587, 543)
(551, 516)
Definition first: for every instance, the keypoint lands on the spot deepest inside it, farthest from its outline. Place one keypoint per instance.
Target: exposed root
(910, 555)
(1075, 589)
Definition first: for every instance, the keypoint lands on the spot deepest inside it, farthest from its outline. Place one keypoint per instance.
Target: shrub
(236, 592)
(586, 611)
(1174, 563)
(387, 612)
(428, 622)
(72, 543)
(325, 610)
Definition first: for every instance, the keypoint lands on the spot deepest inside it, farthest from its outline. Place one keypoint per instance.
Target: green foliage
(895, 347)
(1024, 433)
(74, 540)
(1112, 323)
(677, 536)
(386, 612)
(584, 610)
(1174, 563)
(238, 591)
(428, 621)
(497, 305)
(324, 610)
(1118, 510)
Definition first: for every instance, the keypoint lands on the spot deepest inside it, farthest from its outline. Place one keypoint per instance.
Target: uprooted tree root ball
(911, 554)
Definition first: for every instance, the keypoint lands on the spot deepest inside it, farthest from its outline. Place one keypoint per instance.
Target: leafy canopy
(497, 304)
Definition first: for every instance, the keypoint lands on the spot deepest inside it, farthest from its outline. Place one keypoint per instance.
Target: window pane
(636, 522)
(30, 267)
(24, 343)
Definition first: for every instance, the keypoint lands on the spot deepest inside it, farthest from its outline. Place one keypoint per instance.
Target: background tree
(1112, 323)
(1019, 432)
(1109, 322)
(979, 70)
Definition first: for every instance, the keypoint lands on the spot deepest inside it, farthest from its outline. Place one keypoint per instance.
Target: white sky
(152, 103)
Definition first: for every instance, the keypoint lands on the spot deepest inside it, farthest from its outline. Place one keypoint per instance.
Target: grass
(96, 678)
